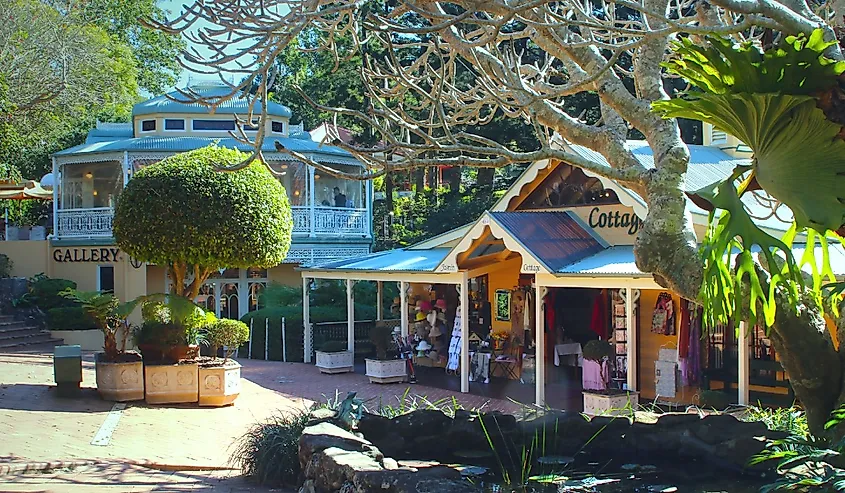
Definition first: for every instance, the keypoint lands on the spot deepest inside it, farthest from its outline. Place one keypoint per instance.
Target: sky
(174, 8)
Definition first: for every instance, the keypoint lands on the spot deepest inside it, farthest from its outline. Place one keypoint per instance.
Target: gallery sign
(98, 254)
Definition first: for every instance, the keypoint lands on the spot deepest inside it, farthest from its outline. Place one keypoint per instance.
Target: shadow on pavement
(44, 397)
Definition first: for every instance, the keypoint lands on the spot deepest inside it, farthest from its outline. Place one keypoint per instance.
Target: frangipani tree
(184, 214)
(525, 59)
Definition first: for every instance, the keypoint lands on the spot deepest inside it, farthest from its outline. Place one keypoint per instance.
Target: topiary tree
(226, 333)
(184, 214)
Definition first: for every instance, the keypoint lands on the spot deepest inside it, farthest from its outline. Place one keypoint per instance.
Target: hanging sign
(78, 255)
(614, 219)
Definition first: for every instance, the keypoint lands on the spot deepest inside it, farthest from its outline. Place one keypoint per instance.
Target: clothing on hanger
(684, 328)
(597, 322)
(663, 318)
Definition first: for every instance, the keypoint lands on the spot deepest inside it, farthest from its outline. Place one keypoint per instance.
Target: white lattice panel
(84, 223)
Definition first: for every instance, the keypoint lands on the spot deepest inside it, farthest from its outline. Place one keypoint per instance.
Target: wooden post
(631, 339)
(308, 331)
(284, 343)
(350, 316)
(464, 332)
(743, 364)
(266, 339)
(539, 346)
(380, 301)
(403, 295)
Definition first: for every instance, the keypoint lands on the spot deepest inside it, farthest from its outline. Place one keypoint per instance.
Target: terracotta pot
(182, 352)
(151, 352)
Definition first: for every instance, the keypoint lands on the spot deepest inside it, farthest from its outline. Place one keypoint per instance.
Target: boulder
(322, 436)
(718, 428)
(427, 480)
(374, 426)
(422, 422)
(333, 467)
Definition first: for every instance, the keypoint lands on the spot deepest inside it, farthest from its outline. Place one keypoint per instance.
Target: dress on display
(455, 345)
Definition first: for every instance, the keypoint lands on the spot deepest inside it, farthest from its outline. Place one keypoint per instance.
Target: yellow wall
(649, 347)
(155, 279)
(28, 257)
(285, 274)
(505, 278)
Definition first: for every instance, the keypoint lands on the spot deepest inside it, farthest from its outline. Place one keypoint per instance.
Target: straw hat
(423, 346)
(440, 304)
(420, 316)
(431, 317)
(435, 331)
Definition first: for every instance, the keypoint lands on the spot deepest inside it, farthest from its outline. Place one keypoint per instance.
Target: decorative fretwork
(341, 221)
(316, 255)
(301, 220)
(84, 223)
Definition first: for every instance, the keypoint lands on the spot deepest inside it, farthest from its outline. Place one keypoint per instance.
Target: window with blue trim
(173, 124)
(213, 124)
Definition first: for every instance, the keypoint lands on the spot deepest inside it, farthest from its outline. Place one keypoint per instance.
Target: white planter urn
(386, 371)
(219, 385)
(337, 362)
(171, 384)
(610, 403)
(120, 381)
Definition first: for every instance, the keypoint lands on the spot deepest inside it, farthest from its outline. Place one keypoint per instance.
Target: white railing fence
(84, 223)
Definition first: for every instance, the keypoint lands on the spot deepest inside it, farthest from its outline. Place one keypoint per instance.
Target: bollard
(67, 369)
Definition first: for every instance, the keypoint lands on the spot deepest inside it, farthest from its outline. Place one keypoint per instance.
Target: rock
(422, 422)
(718, 428)
(374, 426)
(321, 415)
(671, 420)
(392, 445)
(498, 421)
(331, 468)
(320, 437)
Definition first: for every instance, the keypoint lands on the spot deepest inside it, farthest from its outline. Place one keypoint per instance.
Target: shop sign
(448, 268)
(530, 268)
(73, 255)
(615, 220)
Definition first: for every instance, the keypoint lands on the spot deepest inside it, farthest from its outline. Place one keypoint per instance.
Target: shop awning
(399, 260)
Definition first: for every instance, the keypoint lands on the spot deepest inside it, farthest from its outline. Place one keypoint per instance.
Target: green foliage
(109, 315)
(429, 213)
(10, 173)
(381, 335)
(69, 318)
(276, 294)
(789, 419)
(46, 292)
(228, 333)
(334, 347)
(172, 311)
(159, 333)
(774, 102)
(214, 219)
(269, 452)
(597, 350)
(805, 463)
(6, 266)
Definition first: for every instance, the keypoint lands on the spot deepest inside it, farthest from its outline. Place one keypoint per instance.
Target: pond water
(582, 476)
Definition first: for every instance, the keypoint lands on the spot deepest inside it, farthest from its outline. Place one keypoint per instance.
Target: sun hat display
(435, 331)
(425, 306)
(423, 346)
(431, 317)
(420, 316)
(440, 304)
(442, 317)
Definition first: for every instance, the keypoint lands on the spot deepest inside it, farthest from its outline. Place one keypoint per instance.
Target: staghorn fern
(775, 103)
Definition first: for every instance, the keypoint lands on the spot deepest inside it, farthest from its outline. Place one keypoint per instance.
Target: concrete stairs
(16, 334)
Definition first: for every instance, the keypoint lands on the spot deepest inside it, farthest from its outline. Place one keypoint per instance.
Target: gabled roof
(555, 238)
(240, 106)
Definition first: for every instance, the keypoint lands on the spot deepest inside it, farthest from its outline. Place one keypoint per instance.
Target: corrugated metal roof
(613, 261)
(166, 103)
(619, 261)
(554, 238)
(105, 132)
(400, 260)
(182, 144)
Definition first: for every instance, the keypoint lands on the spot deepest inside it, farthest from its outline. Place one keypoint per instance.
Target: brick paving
(38, 426)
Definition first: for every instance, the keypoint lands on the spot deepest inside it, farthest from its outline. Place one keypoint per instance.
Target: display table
(572, 353)
(428, 362)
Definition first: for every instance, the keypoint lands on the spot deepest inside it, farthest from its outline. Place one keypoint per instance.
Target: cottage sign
(614, 219)
(73, 255)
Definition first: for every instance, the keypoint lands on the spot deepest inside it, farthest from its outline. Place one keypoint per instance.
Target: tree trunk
(453, 177)
(419, 180)
(388, 191)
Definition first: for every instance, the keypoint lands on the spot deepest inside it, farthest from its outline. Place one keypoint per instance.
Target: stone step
(40, 339)
(11, 323)
(22, 332)
(18, 329)
(6, 318)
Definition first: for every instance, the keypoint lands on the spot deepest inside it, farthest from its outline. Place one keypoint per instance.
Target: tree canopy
(183, 213)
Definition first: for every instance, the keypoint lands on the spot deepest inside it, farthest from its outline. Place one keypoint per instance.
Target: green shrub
(46, 292)
(69, 318)
(381, 336)
(156, 332)
(269, 452)
(6, 265)
(597, 350)
(228, 333)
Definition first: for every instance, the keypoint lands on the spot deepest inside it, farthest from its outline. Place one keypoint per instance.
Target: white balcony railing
(324, 221)
(307, 221)
(84, 223)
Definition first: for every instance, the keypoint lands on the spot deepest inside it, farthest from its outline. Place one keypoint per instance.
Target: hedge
(69, 318)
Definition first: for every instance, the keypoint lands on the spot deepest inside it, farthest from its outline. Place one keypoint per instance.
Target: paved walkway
(38, 426)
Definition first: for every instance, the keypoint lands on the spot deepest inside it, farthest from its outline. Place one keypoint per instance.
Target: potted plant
(598, 398)
(334, 357)
(386, 368)
(169, 339)
(120, 373)
(499, 338)
(220, 380)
